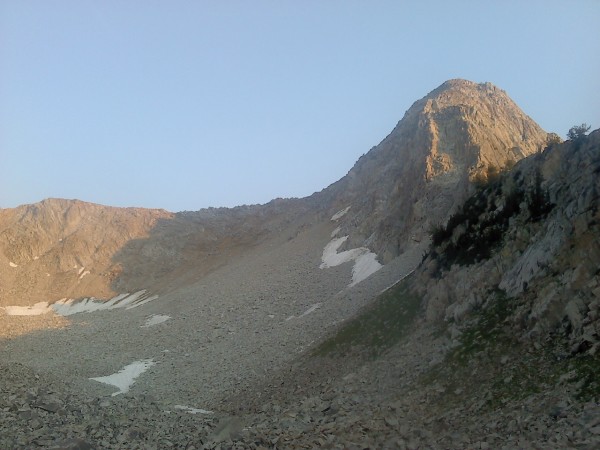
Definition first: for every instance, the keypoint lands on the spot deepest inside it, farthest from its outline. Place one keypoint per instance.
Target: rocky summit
(445, 293)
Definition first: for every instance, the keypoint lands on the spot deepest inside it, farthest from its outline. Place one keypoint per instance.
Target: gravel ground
(346, 403)
(227, 332)
(236, 344)
(232, 327)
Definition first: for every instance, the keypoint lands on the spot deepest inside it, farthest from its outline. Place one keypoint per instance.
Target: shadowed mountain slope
(64, 248)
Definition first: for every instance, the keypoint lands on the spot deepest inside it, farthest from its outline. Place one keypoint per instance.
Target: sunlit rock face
(66, 248)
(456, 134)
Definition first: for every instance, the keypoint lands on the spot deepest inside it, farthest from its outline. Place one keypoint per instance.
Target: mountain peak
(457, 133)
(474, 125)
(458, 83)
(462, 85)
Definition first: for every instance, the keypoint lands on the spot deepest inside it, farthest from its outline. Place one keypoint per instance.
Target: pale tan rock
(425, 167)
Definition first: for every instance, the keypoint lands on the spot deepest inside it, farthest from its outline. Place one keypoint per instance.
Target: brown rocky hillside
(64, 248)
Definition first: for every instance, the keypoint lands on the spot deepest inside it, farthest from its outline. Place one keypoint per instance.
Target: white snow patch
(125, 377)
(12, 264)
(365, 261)
(332, 258)
(68, 307)
(364, 266)
(338, 215)
(35, 310)
(80, 270)
(83, 274)
(155, 319)
(71, 306)
(335, 232)
(191, 410)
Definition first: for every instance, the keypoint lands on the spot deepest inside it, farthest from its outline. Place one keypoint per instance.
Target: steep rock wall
(424, 168)
(549, 262)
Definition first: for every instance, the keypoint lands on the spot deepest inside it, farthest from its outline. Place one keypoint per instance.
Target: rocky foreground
(397, 400)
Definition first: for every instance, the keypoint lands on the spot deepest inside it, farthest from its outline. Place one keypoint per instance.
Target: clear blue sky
(188, 104)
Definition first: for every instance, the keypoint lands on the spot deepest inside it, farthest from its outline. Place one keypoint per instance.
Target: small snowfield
(68, 307)
(365, 261)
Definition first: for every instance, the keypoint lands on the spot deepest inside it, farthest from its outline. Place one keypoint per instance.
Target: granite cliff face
(425, 167)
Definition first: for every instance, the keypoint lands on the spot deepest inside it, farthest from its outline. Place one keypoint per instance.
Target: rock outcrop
(533, 234)
(425, 167)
